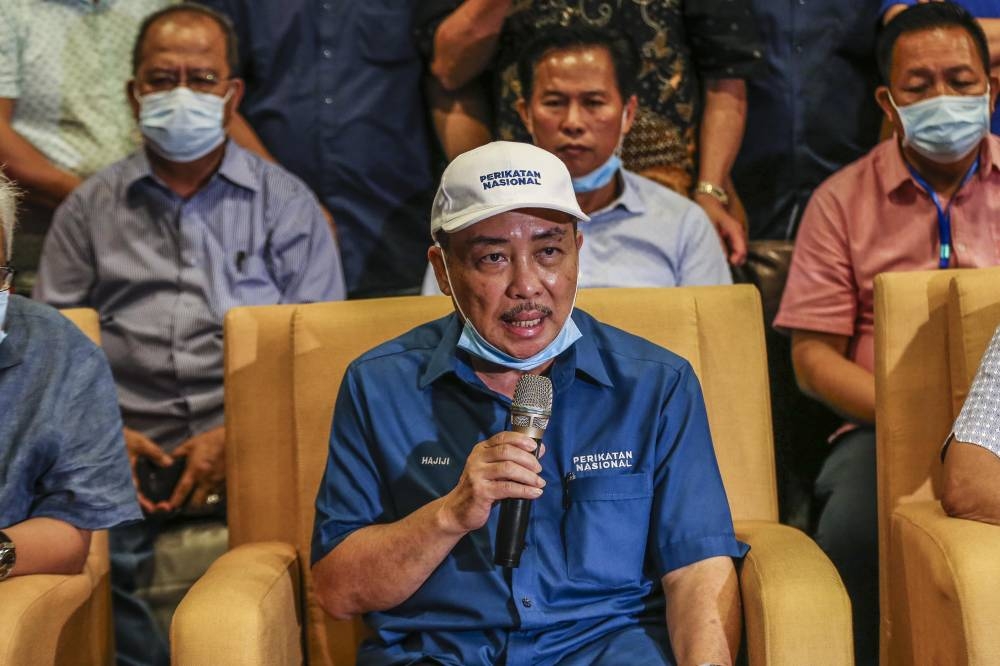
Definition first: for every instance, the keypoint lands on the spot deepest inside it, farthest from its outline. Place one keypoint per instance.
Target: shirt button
(327, 53)
(526, 602)
(328, 100)
(798, 48)
(327, 6)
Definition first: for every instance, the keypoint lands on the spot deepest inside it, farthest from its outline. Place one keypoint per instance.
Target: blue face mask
(599, 177)
(946, 128)
(474, 343)
(182, 125)
(4, 299)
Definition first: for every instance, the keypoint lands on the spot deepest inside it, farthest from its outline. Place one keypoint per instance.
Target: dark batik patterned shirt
(680, 42)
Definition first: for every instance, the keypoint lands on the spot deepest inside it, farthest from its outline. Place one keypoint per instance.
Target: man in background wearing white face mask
(927, 198)
(162, 244)
(419, 454)
(579, 103)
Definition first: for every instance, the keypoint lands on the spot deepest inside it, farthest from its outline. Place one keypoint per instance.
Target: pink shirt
(871, 217)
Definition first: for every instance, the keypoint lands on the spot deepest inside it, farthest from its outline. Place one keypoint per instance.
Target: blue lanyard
(943, 214)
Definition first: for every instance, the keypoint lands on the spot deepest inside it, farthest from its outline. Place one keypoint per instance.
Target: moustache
(526, 307)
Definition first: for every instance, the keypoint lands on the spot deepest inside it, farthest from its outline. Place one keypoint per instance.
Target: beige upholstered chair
(284, 365)
(61, 619)
(939, 576)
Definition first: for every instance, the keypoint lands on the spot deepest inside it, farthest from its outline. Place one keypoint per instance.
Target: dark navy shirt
(334, 92)
(633, 492)
(813, 109)
(61, 449)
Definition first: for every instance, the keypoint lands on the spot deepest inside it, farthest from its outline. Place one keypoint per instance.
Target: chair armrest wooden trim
(245, 610)
(951, 579)
(795, 608)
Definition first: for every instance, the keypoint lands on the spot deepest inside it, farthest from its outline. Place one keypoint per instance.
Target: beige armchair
(939, 576)
(61, 619)
(284, 365)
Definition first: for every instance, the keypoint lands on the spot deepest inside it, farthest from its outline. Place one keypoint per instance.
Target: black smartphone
(158, 483)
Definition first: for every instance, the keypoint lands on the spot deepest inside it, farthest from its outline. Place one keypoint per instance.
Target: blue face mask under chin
(599, 177)
(474, 343)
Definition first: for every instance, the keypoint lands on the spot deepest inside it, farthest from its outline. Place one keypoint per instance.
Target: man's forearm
(722, 123)
(47, 545)
(243, 134)
(703, 611)
(461, 117)
(465, 42)
(46, 184)
(971, 489)
(824, 372)
(381, 566)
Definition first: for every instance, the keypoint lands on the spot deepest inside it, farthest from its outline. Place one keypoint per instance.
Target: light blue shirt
(649, 236)
(163, 271)
(66, 63)
(61, 450)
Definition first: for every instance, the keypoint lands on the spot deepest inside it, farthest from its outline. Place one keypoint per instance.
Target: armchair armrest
(246, 609)
(37, 611)
(950, 582)
(795, 608)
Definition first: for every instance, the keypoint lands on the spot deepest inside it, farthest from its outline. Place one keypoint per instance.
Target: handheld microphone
(529, 415)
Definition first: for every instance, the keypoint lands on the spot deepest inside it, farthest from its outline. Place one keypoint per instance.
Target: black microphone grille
(533, 393)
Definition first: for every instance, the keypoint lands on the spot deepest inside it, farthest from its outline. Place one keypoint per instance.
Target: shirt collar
(582, 358)
(235, 168)
(629, 199)
(894, 173)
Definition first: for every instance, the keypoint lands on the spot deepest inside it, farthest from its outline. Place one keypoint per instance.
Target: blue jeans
(138, 639)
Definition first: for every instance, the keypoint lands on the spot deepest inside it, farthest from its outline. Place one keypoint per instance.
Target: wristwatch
(7, 555)
(705, 187)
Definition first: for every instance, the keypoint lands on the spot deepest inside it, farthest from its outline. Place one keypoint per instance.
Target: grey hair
(9, 194)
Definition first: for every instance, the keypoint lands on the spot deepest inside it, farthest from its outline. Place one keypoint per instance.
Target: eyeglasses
(198, 80)
(6, 277)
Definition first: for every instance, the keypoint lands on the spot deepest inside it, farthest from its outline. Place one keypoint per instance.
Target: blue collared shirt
(649, 236)
(334, 90)
(163, 271)
(633, 492)
(813, 109)
(61, 450)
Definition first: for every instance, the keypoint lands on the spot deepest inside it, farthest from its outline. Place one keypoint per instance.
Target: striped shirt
(162, 272)
(979, 420)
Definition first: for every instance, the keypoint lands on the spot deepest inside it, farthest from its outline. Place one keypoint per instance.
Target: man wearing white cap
(620, 566)
(578, 86)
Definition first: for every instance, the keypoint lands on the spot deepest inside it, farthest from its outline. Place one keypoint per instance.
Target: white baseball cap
(498, 177)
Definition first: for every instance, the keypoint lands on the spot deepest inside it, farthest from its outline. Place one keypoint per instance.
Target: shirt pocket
(606, 527)
(386, 33)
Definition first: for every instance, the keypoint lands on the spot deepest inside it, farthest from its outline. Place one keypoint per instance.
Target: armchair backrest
(284, 365)
(87, 320)
(931, 329)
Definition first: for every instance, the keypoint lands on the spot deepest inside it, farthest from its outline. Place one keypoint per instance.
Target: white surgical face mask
(945, 128)
(474, 343)
(183, 125)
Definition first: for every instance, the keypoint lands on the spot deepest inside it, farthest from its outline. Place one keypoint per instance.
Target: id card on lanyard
(943, 214)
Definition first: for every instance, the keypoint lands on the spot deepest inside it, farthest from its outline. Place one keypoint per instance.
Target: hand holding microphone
(529, 415)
